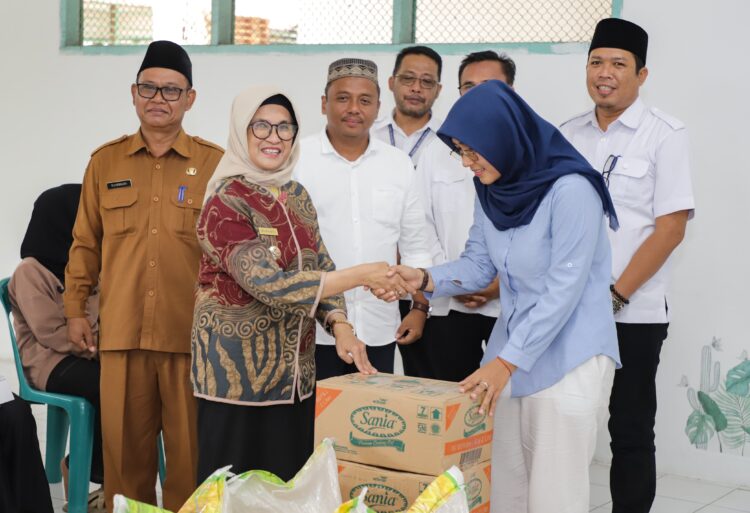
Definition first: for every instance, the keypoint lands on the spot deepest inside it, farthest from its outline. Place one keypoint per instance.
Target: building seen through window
(352, 22)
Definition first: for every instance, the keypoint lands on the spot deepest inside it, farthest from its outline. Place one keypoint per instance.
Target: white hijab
(236, 161)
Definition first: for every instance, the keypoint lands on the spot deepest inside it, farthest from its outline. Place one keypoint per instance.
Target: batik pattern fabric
(259, 285)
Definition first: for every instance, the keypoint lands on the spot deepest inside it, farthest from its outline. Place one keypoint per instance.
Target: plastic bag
(125, 505)
(444, 495)
(208, 498)
(356, 505)
(315, 488)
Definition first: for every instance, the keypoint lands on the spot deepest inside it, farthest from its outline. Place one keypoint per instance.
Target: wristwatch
(422, 307)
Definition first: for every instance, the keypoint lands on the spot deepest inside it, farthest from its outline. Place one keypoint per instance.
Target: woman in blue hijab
(540, 225)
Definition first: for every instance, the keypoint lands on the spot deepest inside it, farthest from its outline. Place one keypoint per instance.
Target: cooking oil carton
(391, 491)
(402, 423)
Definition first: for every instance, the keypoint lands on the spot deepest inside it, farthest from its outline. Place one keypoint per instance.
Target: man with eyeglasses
(479, 67)
(643, 156)
(451, 344)
(368, 208)
(415, 85)
(134, 238)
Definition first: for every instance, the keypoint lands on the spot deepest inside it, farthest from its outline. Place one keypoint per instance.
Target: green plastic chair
(63, 412)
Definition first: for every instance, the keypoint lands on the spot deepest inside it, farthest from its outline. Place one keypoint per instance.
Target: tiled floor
(674, 494)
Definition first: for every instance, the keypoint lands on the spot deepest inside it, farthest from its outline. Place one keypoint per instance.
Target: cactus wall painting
(720, 419)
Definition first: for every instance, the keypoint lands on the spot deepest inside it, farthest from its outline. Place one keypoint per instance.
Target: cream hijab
(236, 161)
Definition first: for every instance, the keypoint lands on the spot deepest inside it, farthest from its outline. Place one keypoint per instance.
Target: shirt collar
(631, 118)
(181, 145)
(633, 115)
(383, 122)
(590, 119)
(433, 123)
(326, 148)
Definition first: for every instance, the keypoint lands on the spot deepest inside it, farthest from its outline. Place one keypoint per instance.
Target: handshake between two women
(386, 282)
(390, 283)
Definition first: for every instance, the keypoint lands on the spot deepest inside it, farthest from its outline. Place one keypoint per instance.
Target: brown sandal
(96, 502)
(96, 498)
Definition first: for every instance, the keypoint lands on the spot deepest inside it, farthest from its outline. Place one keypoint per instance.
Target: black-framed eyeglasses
(409, 80)
(169, 93)
(460, 154)
(609, 165)
(263, 129)
(466, 86)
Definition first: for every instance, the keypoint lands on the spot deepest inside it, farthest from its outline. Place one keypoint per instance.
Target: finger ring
(486, 385)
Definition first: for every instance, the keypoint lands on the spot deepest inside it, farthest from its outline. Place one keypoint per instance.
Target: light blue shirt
(554, 285)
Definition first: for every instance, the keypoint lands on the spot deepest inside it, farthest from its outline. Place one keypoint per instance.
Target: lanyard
(416, 144)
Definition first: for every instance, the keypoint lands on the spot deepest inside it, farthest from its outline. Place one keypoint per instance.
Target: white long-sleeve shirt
(368, 210)
(448, 195)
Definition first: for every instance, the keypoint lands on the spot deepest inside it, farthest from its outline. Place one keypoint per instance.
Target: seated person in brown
(50, 362)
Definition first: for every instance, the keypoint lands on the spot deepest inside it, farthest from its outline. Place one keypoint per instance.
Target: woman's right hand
(385, 284)
(351, 349)
(411, 277)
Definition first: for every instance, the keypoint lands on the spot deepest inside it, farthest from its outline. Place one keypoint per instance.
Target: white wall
(56, 107)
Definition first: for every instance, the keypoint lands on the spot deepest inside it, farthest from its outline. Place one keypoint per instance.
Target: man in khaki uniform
(134, 238)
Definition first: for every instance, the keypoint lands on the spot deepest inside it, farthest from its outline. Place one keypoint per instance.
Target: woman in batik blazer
(265, 277)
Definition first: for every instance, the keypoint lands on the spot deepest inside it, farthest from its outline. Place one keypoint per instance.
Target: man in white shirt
(643, 155)
(451, 344)
(367, 204)
(415, 85)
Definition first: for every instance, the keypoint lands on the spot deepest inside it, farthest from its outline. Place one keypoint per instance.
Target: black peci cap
(622, 34)
(166, 54)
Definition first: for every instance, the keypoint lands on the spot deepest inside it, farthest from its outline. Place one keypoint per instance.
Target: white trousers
(543, 444)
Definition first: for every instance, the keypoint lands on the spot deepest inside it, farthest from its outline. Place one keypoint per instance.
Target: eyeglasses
(466, 86)
(469, 154)
(409, 80)
(469, 85)
(169, 93)
(263, 129)
(609, 165)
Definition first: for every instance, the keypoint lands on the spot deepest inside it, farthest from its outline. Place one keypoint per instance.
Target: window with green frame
(283, 24)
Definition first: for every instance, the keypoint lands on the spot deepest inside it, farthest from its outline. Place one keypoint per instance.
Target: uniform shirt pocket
(185, 215)
(119, 211)
(630, 182)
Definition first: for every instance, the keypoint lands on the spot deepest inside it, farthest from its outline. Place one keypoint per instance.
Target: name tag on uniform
(120, 184)
(268, 231)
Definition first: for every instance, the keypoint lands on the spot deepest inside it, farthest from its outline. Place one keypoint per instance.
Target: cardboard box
(390, 491)
(402, 423)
